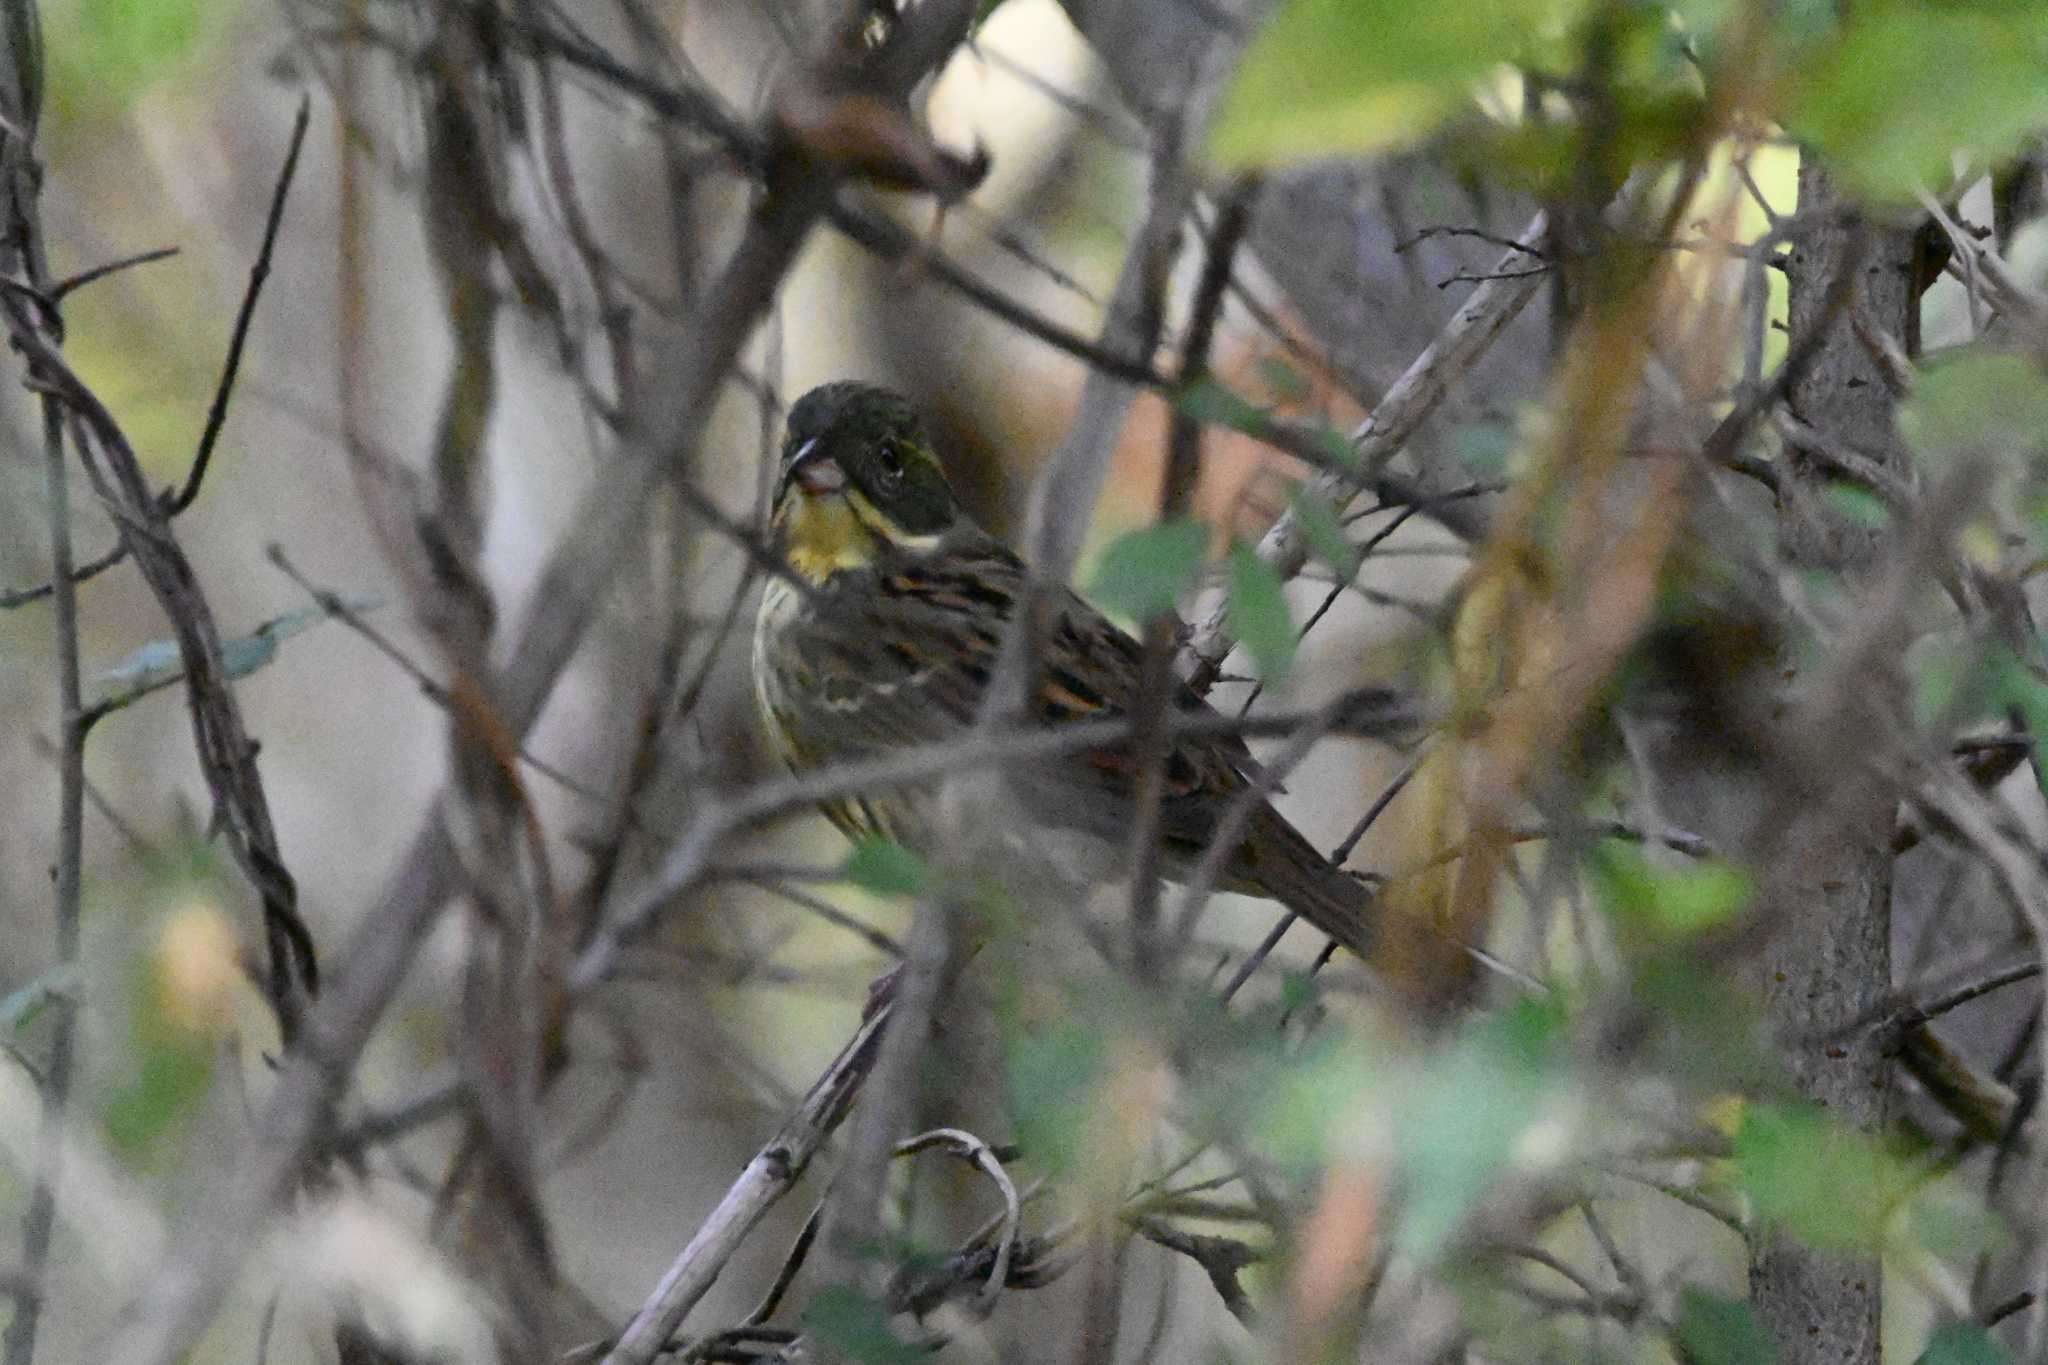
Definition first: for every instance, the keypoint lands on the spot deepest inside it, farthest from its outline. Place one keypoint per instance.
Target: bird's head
(859, 482)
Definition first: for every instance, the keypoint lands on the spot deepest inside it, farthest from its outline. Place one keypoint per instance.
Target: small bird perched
(896, 641)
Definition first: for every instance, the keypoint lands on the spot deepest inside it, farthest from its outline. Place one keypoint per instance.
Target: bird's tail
(1277, 860)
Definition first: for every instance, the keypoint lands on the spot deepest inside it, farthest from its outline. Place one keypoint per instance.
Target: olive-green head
(866, 446)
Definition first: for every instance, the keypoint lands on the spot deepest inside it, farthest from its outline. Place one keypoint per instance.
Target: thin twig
(1338, 855)
(59, 290)
(20, 186)
(774, 1170)
(433, 690)
(983, 1158)
(182, 1292)
(1399, 412)
(684, 864)
(1177, 490)
(217, 411)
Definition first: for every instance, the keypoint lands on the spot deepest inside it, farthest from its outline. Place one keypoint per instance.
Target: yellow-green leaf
(1144, 572)
(1258, 611)
(883, 867)
(1329, 77)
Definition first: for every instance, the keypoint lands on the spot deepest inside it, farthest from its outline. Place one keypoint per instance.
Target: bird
(884, 634)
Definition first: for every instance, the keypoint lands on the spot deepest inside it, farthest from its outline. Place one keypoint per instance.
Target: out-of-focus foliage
(1878, 92)
(102, 54)
(1258, 608)
(1329, 76)
(1722, 1331)
(1144, 572)
(1882, 97)
(1553, 1116)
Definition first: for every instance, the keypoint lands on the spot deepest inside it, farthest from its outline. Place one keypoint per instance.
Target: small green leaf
(159, 664)
(1902, 85)
(1462, 1129)
(1673, 902)
(1833, 1188)
(25, 1002)
(883, 867)
(1484, 447)
(1258, 611)
(1949, 1220)
(1216, 405)
(1283, 379)
(1721, 1331)
(174, 1076)
(854, 1326)
(1944, 677)
(1857, 504)
(104, 53)
(1143, 573)
(1054, 1075)
(1962, 1343)
(1331, 77)
(1988, 401)
(1324, 531)
(2018, 686)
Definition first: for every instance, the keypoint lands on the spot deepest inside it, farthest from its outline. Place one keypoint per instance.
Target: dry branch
(1404, 407)
(772, 1173)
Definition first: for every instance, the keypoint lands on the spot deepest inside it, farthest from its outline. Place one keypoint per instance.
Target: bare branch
(1404, 407)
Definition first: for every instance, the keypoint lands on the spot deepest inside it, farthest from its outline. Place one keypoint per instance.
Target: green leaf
(104, 53)
(883, 867)
(1324, 531)
(1054, 1074)
(1143, 573)
(1980, 401)
(1721, 1331)
(1217, 405)
(1949, 1220)
(159, 664)
(25, 1002)
(1707, 1037)
(856, 1327)
(1857, 504)
(1463, 1128)
(1283, 379)
(174, 1075)
(1962, 1343)
(1306, 1103)
(2018, 686)
(1484, 447)
(1329, 77)
(1833, 1188)
(1258, 612)
(1672, 902)
(1946, 680)
(1904, 84)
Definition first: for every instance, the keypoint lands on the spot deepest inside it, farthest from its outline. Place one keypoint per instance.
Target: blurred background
(594, 232)
(166, 125)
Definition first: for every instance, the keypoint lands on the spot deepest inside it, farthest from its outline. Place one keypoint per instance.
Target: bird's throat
(825, 535)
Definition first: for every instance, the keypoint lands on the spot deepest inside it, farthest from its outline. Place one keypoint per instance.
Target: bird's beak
(814, 471)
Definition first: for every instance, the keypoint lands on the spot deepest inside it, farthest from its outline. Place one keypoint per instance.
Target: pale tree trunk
(1827, 881)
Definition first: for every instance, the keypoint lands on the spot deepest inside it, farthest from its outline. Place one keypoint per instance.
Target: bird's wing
(902, 655)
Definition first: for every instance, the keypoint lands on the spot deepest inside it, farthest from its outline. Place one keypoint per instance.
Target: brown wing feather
(900, 654)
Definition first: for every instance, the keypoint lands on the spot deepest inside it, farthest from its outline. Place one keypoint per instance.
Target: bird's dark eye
(890, 461)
